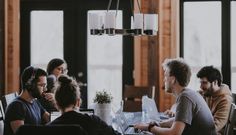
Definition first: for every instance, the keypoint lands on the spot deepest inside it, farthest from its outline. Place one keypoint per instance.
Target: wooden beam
(1, 47)
(12, 68)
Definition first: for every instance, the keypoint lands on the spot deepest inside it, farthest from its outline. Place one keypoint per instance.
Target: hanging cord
(139, 6)
(132, 7)
(109, 5)
(117, 6)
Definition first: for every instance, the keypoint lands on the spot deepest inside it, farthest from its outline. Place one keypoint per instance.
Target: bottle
(144, 115)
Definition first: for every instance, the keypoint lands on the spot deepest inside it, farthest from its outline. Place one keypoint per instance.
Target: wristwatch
(151, 125)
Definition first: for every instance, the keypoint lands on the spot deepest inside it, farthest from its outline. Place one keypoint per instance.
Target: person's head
(57, 67)
(209, 76)
(67, 92)
(176, 71)
(34, 80)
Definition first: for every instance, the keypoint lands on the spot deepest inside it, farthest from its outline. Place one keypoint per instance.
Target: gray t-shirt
(192, 109)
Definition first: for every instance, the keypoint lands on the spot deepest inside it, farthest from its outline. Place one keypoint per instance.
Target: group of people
(197, 113)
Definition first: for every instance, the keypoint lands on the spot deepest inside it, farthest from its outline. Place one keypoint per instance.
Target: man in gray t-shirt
(193, 116)
(194, 112)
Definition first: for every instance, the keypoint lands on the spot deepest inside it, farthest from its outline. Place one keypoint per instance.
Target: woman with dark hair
(55, 68)
(67, 96)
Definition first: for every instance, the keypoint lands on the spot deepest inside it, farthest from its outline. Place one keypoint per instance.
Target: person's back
(67, 96)
(92, 124)
(193, 110)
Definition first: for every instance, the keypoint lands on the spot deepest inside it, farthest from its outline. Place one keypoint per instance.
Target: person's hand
(49, 96)
(141, 126)
(169, 113)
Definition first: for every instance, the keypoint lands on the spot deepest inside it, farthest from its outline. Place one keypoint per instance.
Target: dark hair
(67, 91)
(31, 75)
(179, 69)
(53, 64)
(211, 73)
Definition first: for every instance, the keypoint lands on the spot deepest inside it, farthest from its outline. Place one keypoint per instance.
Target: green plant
(102, 97)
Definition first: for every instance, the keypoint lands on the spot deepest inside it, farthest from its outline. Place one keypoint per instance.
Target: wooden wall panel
(12, 70)
(153, 50)
(1, 46)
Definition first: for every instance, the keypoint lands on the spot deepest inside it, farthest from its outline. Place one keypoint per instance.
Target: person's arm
(176, 128)
(170, 113)
(167, 123)
(46, 117)
(221, 115)
(16, 124)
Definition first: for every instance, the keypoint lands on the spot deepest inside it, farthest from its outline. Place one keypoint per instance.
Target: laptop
(86, 111)
(149, 105)
(56, 114)
(125, 127)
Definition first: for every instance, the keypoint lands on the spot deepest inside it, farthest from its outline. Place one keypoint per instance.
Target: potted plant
(103, 105)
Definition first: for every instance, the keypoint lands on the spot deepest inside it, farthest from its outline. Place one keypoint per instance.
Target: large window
(202, 36)
(46, 37)
(105, 63)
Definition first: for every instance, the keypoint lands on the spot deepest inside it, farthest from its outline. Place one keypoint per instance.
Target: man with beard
(25, 109)
(192, 116)
(217, 95)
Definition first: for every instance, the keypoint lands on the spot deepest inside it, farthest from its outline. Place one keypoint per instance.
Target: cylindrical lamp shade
(151, 22)
(110, 20)
(138, 21)
(132, 22)
(95, 21)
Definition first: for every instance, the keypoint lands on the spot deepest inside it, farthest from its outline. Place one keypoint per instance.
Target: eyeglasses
(62, 69)
(43, 85)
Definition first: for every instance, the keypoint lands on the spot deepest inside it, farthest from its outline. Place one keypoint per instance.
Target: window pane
(233, 46)
(105, 63)
(46, 37)
(202, 36)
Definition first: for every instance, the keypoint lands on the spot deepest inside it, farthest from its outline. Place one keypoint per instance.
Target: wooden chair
(50, 130)
(231, 121)
(2, 117)
(7, 99)
(2, 114)
(132, 97)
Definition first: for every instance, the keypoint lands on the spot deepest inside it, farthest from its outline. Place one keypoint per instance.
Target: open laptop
(125, 127)
(149, 105)
(56, 114)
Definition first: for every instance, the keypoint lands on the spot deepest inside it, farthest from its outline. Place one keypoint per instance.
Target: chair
(133, 97)
(234, 97)
(50, 130)
(7, 99)
(231, 120)
(1, 118)
(2, 114)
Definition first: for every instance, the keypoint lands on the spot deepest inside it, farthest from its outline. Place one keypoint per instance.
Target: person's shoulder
(188, 92)
(51, 78)
(16, 102)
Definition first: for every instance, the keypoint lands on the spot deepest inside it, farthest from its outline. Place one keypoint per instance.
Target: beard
(35, 93)
(208, 92)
